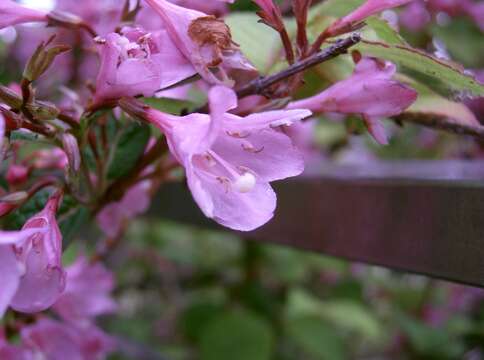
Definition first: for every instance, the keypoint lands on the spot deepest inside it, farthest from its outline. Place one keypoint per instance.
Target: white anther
(245, 182)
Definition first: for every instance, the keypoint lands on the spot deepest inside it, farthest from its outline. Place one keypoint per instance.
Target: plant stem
(261, 84)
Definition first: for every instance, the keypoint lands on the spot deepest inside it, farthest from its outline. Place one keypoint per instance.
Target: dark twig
(435, 121)
(261, 84)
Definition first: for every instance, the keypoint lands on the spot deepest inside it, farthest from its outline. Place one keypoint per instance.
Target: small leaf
(237, 336)
(444, 77)
(129, 148)
(316, 337)
(170, 106)
(384, 31)
(245, 28)
(71, 222)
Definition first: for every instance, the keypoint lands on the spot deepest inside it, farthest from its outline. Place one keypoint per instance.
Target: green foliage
(70, 216)
(130, 145)
(316, 337)
(236, 335)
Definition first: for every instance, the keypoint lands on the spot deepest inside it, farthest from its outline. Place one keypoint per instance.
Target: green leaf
(196, 317)
(430, 341)
(245, 30)
(171, 106)
(441, 76)
(384, 31)
(237, 335)
(335, 8)
(130, 146)
(71, 222)
(316, 337)
(345, 314)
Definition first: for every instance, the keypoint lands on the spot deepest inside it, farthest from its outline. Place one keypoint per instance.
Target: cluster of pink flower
(229, 159)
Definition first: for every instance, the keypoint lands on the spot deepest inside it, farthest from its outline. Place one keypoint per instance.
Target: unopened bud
(17, 174)
(15, 198)
(13, 121)
(10, 97)
(42, 110)
(71, 148)
(42, 59)
(134, 108)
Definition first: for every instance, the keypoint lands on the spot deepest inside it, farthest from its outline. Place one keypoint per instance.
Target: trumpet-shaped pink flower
(230, 160)
(12, 13)
(134, 202)
(205, 41)
(369, 8)
(371, 92)
(87, 292)
(49, 339)
(11, 270)
(43, 278)
(135, 63)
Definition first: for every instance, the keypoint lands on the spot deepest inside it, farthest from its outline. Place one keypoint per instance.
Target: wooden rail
(419, 217)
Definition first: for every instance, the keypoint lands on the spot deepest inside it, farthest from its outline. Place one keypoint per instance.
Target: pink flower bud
(17, 174)
(71, 148)
(12, 13)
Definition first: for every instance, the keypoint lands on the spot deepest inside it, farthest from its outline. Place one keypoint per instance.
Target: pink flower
(415, 16)
(134, 63)
(136, 201)
(87, 292)
(370, 92)
(12, 13)
(11, 352)
(49, 339)
(17, 174)
(369, 8)
(230, 160)
(11, 270)
(40, 254)
(204, 40)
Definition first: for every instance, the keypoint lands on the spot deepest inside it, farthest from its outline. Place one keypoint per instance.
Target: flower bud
(10, 97)
(134, 108)
(10, 202)
(42, 110)
(71, 148)
(15, 198)
(17, 174)
(42, 59)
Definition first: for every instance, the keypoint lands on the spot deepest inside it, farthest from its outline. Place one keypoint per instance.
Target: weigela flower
(11, 269)
(230, 160)
(43, 279)
(12, 13)
(371, 92)
(369, 8)
(53, 340)
(87, 293)
(134, 202)
(205, 40)
(135, 63)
